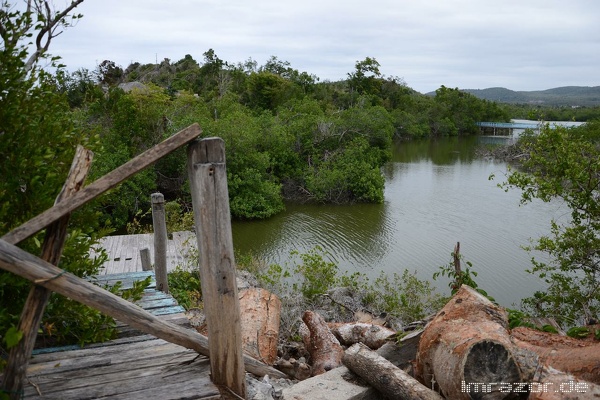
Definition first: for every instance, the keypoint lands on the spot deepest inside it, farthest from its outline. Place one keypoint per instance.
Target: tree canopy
(564, 164)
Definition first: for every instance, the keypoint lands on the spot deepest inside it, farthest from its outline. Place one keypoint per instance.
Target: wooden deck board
(165, 365)
(135, 366)
(124, 251)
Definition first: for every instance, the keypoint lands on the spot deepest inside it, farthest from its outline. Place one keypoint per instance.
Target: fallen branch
(385, 376)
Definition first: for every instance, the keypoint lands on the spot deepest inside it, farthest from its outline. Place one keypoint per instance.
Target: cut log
(385, 376)
(325, 350)
(578, 358)
(259, 313)
(549, 340)
(373, 336)
(467, 342)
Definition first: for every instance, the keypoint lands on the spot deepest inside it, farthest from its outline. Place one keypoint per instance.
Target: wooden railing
(206, 166)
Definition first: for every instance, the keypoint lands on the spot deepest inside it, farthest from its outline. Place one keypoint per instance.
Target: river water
(437, 193)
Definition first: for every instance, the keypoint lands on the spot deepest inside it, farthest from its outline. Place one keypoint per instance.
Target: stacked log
(467, 351)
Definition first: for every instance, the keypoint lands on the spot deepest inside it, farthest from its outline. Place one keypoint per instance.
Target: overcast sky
(469, 44)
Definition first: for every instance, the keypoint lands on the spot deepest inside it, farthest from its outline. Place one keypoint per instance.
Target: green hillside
(583, 96)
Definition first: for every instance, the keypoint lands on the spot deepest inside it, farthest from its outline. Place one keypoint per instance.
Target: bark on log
(325, 350)
(373, 336)
(260, 311)
(403, 354)
(385, 376)
(568, 355)
(467, 342)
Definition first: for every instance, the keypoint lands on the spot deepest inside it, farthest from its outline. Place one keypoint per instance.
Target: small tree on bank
(564, 164)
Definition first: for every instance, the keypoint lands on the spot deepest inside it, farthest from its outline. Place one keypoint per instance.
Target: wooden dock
(124, 251)
(134, 366)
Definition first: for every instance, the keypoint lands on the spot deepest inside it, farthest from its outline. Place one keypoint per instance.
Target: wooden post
(210, 199)
(38, 297)
(145, 258)
(160, 241)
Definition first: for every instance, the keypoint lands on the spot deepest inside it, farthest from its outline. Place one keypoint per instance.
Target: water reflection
(437, 193)
(353, 235)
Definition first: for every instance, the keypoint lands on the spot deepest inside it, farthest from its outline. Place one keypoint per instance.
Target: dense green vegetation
(564, 164)
(310, 282)
(38, 138)
(288, 136)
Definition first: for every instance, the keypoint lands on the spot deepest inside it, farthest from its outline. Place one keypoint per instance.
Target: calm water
(437, 193)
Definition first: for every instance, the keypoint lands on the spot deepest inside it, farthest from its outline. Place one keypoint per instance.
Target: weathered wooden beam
(159, 225)
(210, 198)
(103, 184)
(19, 262)
(18, 358)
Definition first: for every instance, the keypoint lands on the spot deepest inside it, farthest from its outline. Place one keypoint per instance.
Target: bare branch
(48, 31)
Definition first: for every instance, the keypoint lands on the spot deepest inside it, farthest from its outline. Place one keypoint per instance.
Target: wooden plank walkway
(135, 366)
(124, 251)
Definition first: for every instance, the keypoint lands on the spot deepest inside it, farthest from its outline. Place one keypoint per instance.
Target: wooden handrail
(103, 184)
(208, 179)
(36, 270)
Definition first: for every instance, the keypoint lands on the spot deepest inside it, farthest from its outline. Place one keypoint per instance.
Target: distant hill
(561, 96)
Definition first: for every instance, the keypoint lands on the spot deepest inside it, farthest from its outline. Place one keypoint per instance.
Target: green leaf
(12, 337)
